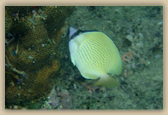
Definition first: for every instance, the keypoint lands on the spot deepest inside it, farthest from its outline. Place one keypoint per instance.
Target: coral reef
(137, 31)
(32, 59)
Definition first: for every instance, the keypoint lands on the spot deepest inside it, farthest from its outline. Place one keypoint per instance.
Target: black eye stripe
(81, 31)
(75, 34)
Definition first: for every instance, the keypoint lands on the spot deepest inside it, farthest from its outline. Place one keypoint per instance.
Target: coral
(8, 22)
(33, 87)
(32, 59)
(56, 14)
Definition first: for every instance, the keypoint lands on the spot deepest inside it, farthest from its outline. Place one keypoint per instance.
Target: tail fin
(107, 81)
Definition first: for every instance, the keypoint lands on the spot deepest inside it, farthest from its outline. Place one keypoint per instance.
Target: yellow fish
(95, 55)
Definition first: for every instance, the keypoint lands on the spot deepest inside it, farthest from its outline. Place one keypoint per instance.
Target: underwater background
(40, 75)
